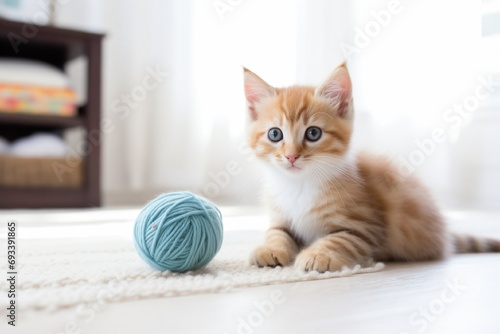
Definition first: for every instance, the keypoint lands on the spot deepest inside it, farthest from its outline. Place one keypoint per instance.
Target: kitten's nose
(292, 158)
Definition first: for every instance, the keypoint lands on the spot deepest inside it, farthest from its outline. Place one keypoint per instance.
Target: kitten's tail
(469, 244)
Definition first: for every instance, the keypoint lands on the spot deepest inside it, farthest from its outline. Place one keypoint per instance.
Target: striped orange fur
(329, 207)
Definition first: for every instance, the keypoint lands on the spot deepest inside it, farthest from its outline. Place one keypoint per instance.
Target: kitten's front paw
(265, 256)
(321, 261)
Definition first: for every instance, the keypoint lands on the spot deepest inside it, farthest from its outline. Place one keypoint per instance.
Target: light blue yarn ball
(178, 232)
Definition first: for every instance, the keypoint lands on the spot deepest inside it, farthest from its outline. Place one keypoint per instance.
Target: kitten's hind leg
(279, 249)
(340, 248)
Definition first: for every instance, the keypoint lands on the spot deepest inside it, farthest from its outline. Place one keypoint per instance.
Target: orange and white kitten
(329, 207)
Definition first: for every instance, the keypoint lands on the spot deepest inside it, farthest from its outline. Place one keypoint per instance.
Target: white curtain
(156, 141)
(189, 131)
(424, 73)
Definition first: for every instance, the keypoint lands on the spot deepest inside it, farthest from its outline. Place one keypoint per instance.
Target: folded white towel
(33, 73)
(39, 145)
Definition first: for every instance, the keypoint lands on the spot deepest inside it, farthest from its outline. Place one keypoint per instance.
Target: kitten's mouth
(293, 168)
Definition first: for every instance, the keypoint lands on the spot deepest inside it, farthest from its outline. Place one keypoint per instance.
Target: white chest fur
(295, 199)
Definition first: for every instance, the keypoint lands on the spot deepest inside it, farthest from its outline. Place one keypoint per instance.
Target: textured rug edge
(100, 295)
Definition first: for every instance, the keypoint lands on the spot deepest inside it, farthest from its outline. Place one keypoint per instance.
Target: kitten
(329, 207)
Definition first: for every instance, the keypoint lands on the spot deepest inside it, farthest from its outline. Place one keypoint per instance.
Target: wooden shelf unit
(55, 46)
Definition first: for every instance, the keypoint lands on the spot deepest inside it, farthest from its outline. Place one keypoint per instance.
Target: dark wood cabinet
(56, 46)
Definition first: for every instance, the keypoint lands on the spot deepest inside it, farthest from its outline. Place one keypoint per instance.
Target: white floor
(460, 295)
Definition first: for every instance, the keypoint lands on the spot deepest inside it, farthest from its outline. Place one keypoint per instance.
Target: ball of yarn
(178, 232)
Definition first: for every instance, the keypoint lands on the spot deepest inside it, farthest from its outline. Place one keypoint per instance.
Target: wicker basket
(41, 172)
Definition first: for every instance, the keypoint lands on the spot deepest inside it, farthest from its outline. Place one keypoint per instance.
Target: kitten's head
(301, 130)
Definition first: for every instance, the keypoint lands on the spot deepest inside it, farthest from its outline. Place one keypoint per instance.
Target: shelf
(53, 45)
(40, 120)
(57, 47)
(19, 198)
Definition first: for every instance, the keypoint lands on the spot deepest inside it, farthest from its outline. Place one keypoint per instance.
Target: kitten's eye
(313, 133)
(275, 135)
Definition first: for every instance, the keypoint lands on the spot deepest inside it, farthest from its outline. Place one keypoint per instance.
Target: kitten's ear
(337, 89)
(256, 90)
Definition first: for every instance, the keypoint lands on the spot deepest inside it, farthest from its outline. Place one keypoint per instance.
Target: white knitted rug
(57, 273)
